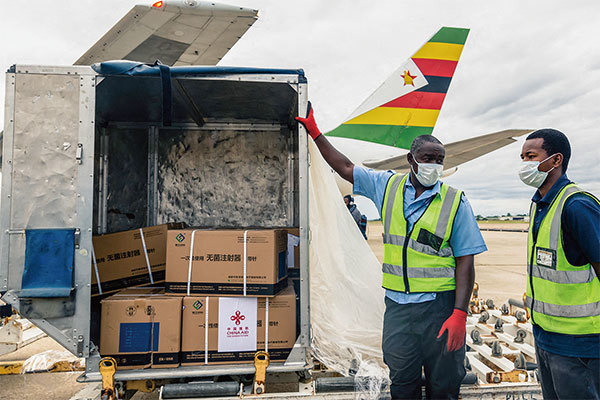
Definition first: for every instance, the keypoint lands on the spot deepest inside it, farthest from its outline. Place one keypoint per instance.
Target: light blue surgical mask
(428, 174)
(531, 175)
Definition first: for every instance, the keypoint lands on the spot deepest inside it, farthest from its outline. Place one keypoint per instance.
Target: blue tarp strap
(167, 97)
(49, 260)
(134, 68)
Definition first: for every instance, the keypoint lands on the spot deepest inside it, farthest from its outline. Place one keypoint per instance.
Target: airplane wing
(457, 152)
(176, 32)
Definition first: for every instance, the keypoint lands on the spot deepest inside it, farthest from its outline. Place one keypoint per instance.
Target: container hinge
(77, 237)
(79, 153)
(80, 346)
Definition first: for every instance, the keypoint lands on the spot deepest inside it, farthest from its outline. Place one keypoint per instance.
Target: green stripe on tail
(451, 35)
(391, 135)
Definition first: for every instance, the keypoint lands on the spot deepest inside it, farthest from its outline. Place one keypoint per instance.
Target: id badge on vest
(545, 257)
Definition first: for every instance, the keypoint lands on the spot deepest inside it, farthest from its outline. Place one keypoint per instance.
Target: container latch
(108, 366)
(261, 362)
(79, 153)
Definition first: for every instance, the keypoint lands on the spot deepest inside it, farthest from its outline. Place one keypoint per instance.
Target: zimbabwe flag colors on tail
(408, 103)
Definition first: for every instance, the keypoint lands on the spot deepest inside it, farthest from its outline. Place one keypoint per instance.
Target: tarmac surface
(500, 273)
(38, 386)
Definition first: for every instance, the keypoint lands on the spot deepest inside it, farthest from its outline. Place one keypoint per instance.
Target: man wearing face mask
(563, 290)
(430, 238)
(358, 217)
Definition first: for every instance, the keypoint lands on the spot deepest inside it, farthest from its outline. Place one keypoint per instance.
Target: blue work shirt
(465, 239)
(580, 225)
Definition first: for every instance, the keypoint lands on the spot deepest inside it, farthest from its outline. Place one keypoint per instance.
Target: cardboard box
(222, 324)
(121, 262)
(218, 262)
(140, 328)
(293, 247)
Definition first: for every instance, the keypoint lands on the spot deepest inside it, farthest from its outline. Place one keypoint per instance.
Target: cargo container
(123, 145)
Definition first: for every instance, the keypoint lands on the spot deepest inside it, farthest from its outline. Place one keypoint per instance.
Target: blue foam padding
(49, 260)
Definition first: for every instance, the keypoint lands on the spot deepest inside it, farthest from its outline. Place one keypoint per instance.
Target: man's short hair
(554, 142)
(350, 199)
(419, 141)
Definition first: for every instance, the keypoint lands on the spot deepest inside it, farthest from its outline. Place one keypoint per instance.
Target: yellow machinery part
(516, 375)
(261, 362)
(11, 367)
(146, 386)
(108, 366)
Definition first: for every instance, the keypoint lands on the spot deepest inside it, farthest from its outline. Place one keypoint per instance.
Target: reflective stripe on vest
(420, 247)
(414, 272)
(563, 298)
(429, 261)
(573, 311)
(566, 277)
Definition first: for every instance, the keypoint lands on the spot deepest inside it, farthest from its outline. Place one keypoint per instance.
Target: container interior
(228, 160)
(228, 157)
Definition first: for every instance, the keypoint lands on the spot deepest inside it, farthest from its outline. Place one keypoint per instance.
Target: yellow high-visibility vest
(420, 260)
(561, 297)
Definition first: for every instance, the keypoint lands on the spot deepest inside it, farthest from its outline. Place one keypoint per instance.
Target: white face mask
(428, 174)
(530, 175)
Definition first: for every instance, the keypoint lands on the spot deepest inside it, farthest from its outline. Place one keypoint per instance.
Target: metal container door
(47, 196)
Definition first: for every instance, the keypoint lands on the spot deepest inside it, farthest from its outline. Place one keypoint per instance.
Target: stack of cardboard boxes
(225, 295)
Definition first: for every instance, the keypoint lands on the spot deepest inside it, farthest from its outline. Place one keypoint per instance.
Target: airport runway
(500, 273)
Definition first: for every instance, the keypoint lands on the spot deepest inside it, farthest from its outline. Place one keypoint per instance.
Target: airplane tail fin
(408, 103)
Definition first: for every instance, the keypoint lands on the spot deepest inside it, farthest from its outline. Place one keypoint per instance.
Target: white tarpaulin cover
(346, 300)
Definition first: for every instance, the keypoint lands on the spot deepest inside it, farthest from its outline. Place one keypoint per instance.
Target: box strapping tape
(96, 270)
(146, 255)
(245, 258)
(266, 324)
(206, 332)
(190, 261)
(189, 279)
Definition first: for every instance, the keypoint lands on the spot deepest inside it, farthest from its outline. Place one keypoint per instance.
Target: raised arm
(336, 160)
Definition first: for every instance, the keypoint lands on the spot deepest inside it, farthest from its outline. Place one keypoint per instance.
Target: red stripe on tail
(424, 100)
(430, 67)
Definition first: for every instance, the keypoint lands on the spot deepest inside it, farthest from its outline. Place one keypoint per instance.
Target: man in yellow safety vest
(563, 256)
(430, 238)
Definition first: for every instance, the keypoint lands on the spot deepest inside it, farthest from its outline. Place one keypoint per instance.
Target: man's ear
(410, 158)
(557, 160)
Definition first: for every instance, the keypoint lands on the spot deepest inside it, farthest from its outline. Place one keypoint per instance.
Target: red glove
(455, 325)
(310, 124)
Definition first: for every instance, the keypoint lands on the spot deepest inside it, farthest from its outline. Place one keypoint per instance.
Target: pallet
(16, 333)
(500, 343)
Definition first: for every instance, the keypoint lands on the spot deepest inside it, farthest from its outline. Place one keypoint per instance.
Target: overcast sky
(526, 64)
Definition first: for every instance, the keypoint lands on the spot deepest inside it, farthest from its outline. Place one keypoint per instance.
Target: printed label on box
(293, 241)
(135, 337)
(237, 324)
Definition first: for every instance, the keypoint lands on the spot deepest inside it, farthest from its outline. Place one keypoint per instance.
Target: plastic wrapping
(347, 300)
(51, 359)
